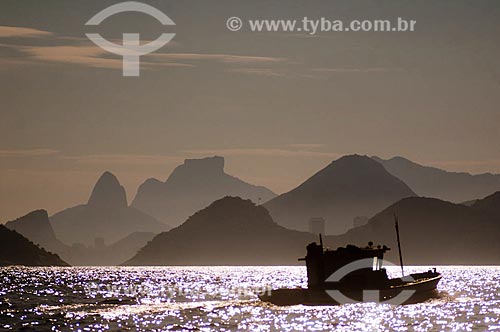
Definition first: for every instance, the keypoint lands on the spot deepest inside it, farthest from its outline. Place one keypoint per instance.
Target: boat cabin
(321, 264)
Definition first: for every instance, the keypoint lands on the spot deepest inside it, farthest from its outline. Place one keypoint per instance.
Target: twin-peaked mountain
(457, 187)
(348, 187)
(106, 215)
(193, 186)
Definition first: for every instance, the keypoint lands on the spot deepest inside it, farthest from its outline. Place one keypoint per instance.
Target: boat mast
(396, 224)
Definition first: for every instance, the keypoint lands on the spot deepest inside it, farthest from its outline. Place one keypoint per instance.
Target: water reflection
(210, 298)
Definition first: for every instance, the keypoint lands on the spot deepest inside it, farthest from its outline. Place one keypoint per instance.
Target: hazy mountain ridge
(193, 186)
(108, 255)
(433, 232)
(232, 231)
(348, 187)
(37, 228)
(106, 215)
(429, 181)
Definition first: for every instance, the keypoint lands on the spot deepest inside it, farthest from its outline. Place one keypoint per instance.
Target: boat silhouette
(355, 274)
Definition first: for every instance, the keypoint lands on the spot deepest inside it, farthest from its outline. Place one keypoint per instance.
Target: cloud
(85, 55)
(93, 56)
(124, 159)
(304, 72)
(257, 71)
(97, 159)
(19, 32)
(27, 153)
(89, 55)
(356, 70)
(71, 50)
(225, 58)
(264, 152)
(307, 145)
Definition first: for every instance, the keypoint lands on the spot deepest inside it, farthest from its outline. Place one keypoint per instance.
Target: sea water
(224, 299)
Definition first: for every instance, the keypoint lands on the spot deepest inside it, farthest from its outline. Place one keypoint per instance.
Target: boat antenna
(396, 224)
(320, 241)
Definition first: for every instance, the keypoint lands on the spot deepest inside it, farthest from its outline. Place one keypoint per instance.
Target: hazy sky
(278, 106)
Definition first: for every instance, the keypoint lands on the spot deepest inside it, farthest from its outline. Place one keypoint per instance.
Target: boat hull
(418, 290)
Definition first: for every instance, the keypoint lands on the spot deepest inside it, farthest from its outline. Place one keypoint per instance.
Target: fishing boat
(355, 274)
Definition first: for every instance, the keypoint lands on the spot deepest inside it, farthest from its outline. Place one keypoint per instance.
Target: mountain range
(193, 186)
(235, 231)
(349, 187)
(457, 187)
(106, 215)
(232, 231)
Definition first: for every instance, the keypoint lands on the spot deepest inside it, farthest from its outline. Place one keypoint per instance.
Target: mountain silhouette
(191, 187)
(15, 249)
(37, 228)
(349, 187)
(433, 232)
(108, 193)
(434, 182)
(489, 204)
(231, 231)
(106, 215)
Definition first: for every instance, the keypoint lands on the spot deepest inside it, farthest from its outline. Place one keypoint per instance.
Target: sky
(277, 105)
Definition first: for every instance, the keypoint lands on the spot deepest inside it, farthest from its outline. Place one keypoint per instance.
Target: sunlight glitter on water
(210, 298)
